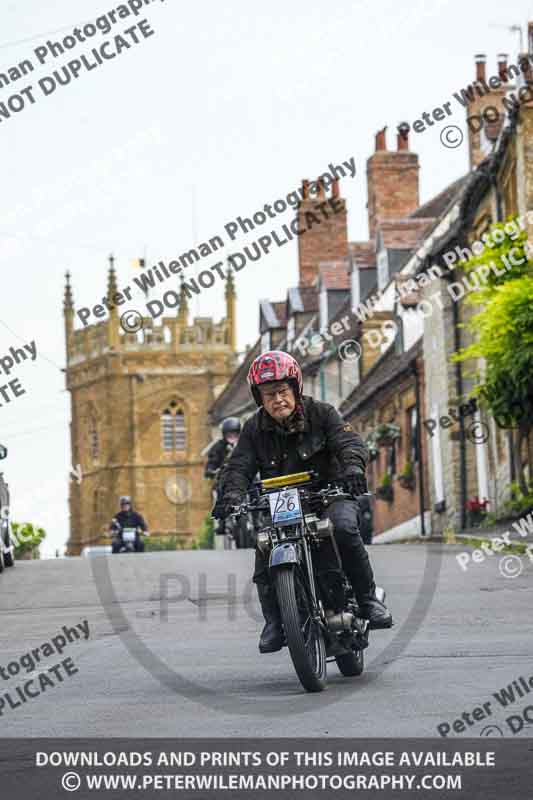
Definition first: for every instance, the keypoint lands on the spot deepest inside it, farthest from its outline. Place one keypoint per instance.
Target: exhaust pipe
(340, 622)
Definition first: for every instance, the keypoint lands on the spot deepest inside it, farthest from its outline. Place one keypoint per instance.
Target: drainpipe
(459, 393)
(499, 218)
(419, 448)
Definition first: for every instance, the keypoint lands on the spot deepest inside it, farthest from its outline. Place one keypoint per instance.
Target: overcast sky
(227, 107)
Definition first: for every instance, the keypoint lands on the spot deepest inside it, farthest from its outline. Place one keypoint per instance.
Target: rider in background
(222, 449)
(292, 433)
(217, 459)
(127, 518)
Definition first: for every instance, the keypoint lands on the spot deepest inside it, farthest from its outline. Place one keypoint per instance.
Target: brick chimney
(323, 239)
(392, 181)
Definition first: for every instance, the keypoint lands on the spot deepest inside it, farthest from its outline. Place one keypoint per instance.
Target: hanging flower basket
(385, 490)
(407, 479)
(386, 434)
(476, 511)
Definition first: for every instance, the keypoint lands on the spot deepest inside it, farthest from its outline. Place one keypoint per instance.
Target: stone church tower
(139, 405)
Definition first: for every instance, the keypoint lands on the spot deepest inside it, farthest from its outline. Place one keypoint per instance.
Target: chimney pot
(321, 193)
(381, 143)
(403, 137)
(481, 59)
(502, 66)
(335, 188)
(305, 189)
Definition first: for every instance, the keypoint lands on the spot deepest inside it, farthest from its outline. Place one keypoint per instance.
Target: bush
(27, 538)
(156, 544)
(519, 503)
(206, 539)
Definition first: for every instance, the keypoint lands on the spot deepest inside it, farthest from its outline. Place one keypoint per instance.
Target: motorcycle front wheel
(304, 636)
(351, 664)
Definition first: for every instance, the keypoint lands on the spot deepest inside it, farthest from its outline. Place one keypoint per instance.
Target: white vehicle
(7, 548)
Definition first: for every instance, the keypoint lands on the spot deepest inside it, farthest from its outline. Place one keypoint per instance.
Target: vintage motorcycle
(319, 612)
(127, 536)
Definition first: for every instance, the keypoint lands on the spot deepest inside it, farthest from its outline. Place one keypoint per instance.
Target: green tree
(27, 538)
(503, 339)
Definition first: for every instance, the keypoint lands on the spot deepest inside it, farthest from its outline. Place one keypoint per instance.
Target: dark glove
(229, 501)
(356, 483)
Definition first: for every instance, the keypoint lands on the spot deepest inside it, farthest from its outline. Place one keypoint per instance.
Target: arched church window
(173, 430)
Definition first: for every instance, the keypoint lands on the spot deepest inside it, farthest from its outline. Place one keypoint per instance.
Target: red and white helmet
(275, 365)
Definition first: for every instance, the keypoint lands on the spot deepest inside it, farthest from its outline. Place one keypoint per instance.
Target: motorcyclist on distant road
(222, 449)
(127, 518)
(292, 433)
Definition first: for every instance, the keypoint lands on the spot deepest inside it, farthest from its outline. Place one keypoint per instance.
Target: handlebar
(309, 495)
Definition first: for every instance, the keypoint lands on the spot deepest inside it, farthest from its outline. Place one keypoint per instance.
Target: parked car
(7, 549)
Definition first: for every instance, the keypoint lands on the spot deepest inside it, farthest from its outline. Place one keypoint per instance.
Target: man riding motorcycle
(221, 450)
(293, 433)
(217, 459)
(127, 518)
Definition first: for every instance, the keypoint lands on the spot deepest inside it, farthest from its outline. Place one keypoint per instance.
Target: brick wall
(323, 241)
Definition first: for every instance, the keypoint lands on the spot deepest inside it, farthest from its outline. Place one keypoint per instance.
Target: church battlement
(140, 405)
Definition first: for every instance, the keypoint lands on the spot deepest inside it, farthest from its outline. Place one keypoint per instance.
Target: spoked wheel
(352, 663)
(304, 637)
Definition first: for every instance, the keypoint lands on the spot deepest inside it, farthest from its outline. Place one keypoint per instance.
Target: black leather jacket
(327, 445)
(130, 519)
(216, 457)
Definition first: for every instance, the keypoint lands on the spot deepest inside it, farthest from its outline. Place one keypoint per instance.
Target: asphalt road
(191, 667)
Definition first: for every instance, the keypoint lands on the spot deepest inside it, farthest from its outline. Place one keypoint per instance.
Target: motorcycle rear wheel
(304, 637)
(351, 664)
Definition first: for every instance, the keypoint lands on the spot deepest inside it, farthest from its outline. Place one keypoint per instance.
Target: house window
(383, 268)
(173, 431)
(391, 460)
(265, 341)
(412, 420)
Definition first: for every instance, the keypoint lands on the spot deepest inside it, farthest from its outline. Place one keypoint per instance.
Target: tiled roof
(403, 234)
(363, 254)
(334, 275)
(389, 367)
(439, 204)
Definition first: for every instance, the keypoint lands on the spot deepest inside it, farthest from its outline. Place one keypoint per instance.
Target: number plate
(285, 507)
(129, 534)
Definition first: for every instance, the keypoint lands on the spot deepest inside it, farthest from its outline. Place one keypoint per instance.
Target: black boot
(362, 579)
(272, 637)
(376, 612)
